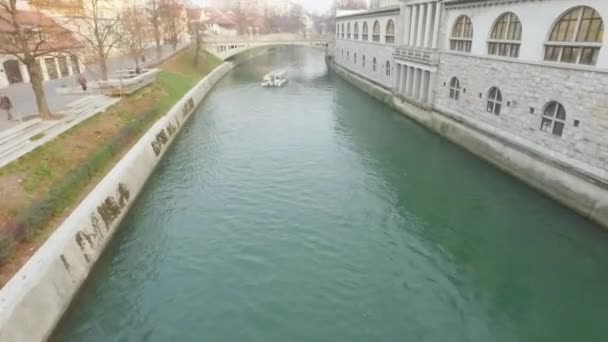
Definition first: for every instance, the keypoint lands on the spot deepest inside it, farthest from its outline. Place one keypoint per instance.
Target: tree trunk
(36, 80)
(197, 51)
(103, 66)
(157, 40)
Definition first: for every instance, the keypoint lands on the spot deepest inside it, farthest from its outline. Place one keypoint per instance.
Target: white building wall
(537, 19)
(528, 83)
(382, 51)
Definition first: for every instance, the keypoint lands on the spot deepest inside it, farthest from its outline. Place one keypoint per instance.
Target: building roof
(365, 13)
(55, 37)
(219, 17)
(194, 13)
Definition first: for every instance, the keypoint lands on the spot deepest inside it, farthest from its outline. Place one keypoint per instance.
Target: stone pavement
(22, 95)
(24, 137)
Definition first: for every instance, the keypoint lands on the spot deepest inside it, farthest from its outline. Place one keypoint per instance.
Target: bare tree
(154, 16)
(98, 30)
(241, 16)
(198, 28)
(170, 15)
(133, 31)
(28, 40)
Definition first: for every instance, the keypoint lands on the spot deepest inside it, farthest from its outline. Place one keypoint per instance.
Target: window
(374, 64)
(356, 32)
(506, 36)
(576, 37)
(388, 68)
(494, 101)
(75, 64)
(454, 88)
(342, 54)
(554, 119)
(348, 31)
(363, 61)
(376, 32)
(390, 32)
(364, 36)
(338, 30)
(462, 34)
(347, 55)
(355, 58)
(343, 33)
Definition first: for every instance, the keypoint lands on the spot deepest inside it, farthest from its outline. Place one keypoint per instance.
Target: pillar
(432, 82)
(25, 75)
(410, 82)
(45, 72)
(420, 32)
(437, 25)
(427, 31)
(413, 26)
(424, 96)
(417, 83)
(407, 22)
(57, 67)
(403, 79)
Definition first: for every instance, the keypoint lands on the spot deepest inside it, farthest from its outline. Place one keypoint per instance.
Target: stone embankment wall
(586, 195)
(34, 300)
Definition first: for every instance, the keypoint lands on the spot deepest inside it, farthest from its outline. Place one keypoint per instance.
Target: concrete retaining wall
(585, 195)
(33, 301)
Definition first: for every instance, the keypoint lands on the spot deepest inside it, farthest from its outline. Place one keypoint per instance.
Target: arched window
(494, 101)
(454, 88)
(462, 34)
(338, 30)
(347, 55)
(348, 31)
(388, 68)
(554, 118)
(342, 54)
(376, 32)
(356, 32)
(576, 37)
(374, 64)
(343, 33)
(363, 61)
(506, 36)
(365, 36)
(355, 58)
(390, 32)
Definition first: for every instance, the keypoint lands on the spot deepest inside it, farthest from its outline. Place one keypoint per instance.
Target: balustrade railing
(427, 56)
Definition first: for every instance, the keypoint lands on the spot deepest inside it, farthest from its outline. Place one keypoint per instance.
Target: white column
(403, 79)
(425, 86)
(421, 17)
(410, 82)
(427, 32)
(45, 72)
(397, 82)
(417, 83)
(24, 73)
(400, 38)
(57, 67)
(407, 23)
(436, 25)
(413, 26)
(432, 82)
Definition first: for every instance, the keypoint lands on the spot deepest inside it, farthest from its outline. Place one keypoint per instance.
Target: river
(313, 212)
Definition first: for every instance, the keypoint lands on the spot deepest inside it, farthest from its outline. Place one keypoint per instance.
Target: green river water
(313, 212)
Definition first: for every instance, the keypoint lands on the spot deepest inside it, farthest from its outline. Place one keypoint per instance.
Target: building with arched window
(372, 35)
(532, 75)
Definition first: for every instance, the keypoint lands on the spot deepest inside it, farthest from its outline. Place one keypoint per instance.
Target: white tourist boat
(275, 78)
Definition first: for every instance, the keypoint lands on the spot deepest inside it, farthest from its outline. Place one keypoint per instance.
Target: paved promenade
(22, 95)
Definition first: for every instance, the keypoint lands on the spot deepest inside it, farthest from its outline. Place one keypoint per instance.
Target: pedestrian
(83, 82)
(7, 106)
(137, 69)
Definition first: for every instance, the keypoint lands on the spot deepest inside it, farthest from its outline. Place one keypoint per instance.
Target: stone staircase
(27, 136)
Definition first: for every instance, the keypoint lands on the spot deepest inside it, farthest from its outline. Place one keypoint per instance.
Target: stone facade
(356, 51)
(431, 49)
(526, 90)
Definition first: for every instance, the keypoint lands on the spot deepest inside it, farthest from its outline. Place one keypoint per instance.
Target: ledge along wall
(34, 300)
(587, 196)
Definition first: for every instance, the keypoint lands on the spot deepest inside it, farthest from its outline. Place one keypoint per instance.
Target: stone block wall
(526, 90)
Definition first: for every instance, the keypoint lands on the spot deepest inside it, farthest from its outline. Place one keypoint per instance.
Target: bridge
(225, 47)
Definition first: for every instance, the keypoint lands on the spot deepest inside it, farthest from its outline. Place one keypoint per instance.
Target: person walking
(7, 106)
(83, 82)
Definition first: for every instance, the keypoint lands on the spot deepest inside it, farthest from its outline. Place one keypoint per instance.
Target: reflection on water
(313, 213)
